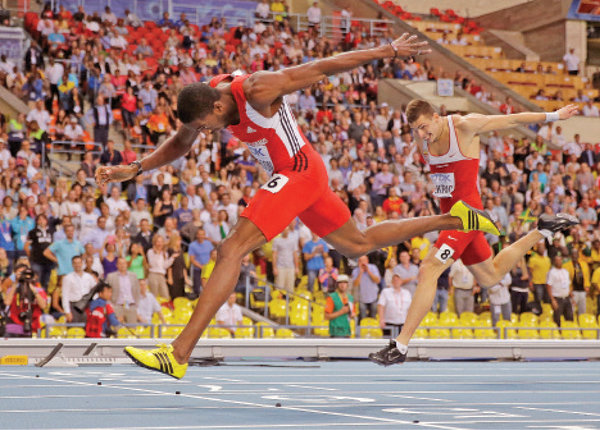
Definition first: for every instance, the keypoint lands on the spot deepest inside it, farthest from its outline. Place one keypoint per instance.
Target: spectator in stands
(108, 255)
(199, 252)
(126, 292)
(263, 11)
(590, 109)
(111, 155)
(177, 276)
(230, 314)
(579, 275)
(462, 287)
(507, 107)
(500, 303)
(75, 285)
(100, 315)
(33, 57)
(101, 117)
(365, 280)
(339, 309)
(328, 276)
(158, 263)
(148, 306)
(571, 62)
(148, 96)
(144, 49)
(38, 239)
(519, 288)
(63, 251)
(407, 271)
(392, 307)
(285, 260)
(313, 14)
(145, 237)
(314, 251)
(558, 289)
(440, 302)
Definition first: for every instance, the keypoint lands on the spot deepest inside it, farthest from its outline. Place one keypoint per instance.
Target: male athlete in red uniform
(255, 110)
(450, 145)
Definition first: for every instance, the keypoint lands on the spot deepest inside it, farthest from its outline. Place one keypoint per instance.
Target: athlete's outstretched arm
(476, 123)
(172, 148)
(266, 87)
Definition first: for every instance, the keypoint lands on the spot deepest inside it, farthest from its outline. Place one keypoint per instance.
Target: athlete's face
(214, 121)
(428, 127)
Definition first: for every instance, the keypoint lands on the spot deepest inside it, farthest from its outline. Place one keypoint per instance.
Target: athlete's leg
(493, 269)
(353, 243)
(243, 238)
(430, 270)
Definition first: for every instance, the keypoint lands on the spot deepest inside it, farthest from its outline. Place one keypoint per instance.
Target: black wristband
(139, 166)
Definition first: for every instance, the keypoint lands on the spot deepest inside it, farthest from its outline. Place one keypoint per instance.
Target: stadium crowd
(85, 80)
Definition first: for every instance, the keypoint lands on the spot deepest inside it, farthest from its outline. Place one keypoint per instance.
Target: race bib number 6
(275, 183)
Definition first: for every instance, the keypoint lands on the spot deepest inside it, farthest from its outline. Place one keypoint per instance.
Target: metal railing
(158, 330)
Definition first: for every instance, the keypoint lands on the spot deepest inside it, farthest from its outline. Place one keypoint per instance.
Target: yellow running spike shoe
(473, 219)
(160, 359)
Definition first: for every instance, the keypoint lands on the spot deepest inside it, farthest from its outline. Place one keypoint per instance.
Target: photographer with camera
(26, 301)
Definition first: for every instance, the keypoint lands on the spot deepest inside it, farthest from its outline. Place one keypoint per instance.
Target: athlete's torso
(455, 176)
(274, 142)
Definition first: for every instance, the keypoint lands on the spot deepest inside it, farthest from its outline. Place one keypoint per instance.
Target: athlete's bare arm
(172, 148)
(264, 88)
(476, 123)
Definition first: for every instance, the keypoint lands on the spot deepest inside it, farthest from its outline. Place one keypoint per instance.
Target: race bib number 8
(444, 253)
(444, 184)
(275, 183)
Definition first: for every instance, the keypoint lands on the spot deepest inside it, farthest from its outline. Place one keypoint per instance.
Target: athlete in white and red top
(255, 109)
(450, 145)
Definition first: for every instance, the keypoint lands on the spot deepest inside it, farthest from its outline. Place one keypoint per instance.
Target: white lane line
(236, 402)
(243, 426)
(419, 398)
(592, 414)
(311, 388)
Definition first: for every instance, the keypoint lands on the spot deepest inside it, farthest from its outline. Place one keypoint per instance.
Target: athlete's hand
(407, 45)
(567, 111)
(106, 174)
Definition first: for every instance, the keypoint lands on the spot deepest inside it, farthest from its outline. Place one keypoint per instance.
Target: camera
(26, 275)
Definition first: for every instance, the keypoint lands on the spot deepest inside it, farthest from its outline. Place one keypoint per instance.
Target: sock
(547, 234)
(403, 348)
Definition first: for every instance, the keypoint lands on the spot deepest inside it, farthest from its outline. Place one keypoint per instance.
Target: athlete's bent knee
(229, 250)
(429, 270)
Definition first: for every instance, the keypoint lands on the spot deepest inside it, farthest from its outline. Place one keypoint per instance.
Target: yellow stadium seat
(244, 333)
(462, 333)
(528, 333)
(277, 308)
(182, 303)
(284, 333)
(265, 330)
(304, 293)
(430, 319)
(528, 317)
(144, 332)
(570, 334)
(126, 333)
(439, 333)
(485, 318)
(182, 316)
(299, 316)
(58, 331)
(371, 333)
(447, 318)
(510, 333)
(218, 333)
(468, 318)
(247, 321)
(514, 318)
(588, 321)
(76, 332)
(171, 332)
(485, 333)
(421, 333)
(548, 334)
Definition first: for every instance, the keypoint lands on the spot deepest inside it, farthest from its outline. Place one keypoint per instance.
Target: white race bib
(275, 183)
(444, 184)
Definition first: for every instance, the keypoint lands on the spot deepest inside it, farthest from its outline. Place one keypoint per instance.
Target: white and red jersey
(274, 142)
(455, 176)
